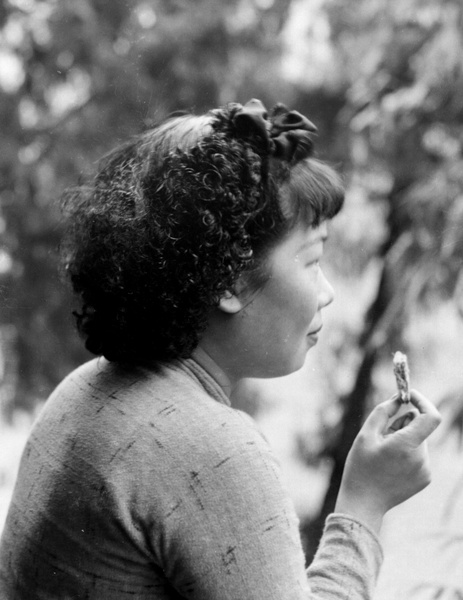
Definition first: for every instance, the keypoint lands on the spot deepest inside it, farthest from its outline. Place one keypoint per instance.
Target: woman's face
(280, 322)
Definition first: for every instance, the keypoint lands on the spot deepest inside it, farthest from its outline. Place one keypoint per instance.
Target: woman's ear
(230, 303)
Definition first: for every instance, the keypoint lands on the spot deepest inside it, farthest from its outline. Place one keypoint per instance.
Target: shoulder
(159, 427)
(162, 408)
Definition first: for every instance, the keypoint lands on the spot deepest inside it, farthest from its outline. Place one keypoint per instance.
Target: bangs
(313, 193)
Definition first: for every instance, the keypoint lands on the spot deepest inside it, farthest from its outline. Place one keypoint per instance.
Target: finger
(402, 421)
(425, 422)
(424, 405)
(421, 428)
(380, 415)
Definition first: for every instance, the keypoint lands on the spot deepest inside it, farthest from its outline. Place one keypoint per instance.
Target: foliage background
(383, 80)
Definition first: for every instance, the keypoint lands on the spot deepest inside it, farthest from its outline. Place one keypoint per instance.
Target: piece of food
(402, 375)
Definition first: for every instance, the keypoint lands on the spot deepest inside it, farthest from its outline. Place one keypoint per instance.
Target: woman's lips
(315, 332)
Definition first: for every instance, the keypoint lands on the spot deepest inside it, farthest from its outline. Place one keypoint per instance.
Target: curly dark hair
(170, 222)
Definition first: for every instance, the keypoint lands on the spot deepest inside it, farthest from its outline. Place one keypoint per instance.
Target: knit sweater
(146, 484)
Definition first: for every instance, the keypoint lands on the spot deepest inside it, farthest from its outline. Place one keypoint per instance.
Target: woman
(195, 254)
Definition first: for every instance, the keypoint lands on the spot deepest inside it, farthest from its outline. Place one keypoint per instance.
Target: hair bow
(284, 134)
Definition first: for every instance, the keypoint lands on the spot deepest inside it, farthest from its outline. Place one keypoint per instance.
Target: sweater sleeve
(229, 530)
(347, 561)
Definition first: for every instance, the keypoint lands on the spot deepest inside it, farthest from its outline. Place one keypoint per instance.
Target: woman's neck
(209, 364)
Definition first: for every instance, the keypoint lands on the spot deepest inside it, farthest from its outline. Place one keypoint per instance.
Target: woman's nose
(326, 293)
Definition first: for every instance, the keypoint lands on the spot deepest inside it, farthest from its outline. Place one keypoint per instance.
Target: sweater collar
(209, 375)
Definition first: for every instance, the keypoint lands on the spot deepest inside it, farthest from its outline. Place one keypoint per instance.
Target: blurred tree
(403, 68)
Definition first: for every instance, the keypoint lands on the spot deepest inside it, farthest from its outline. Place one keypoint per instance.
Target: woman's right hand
(388, 464)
